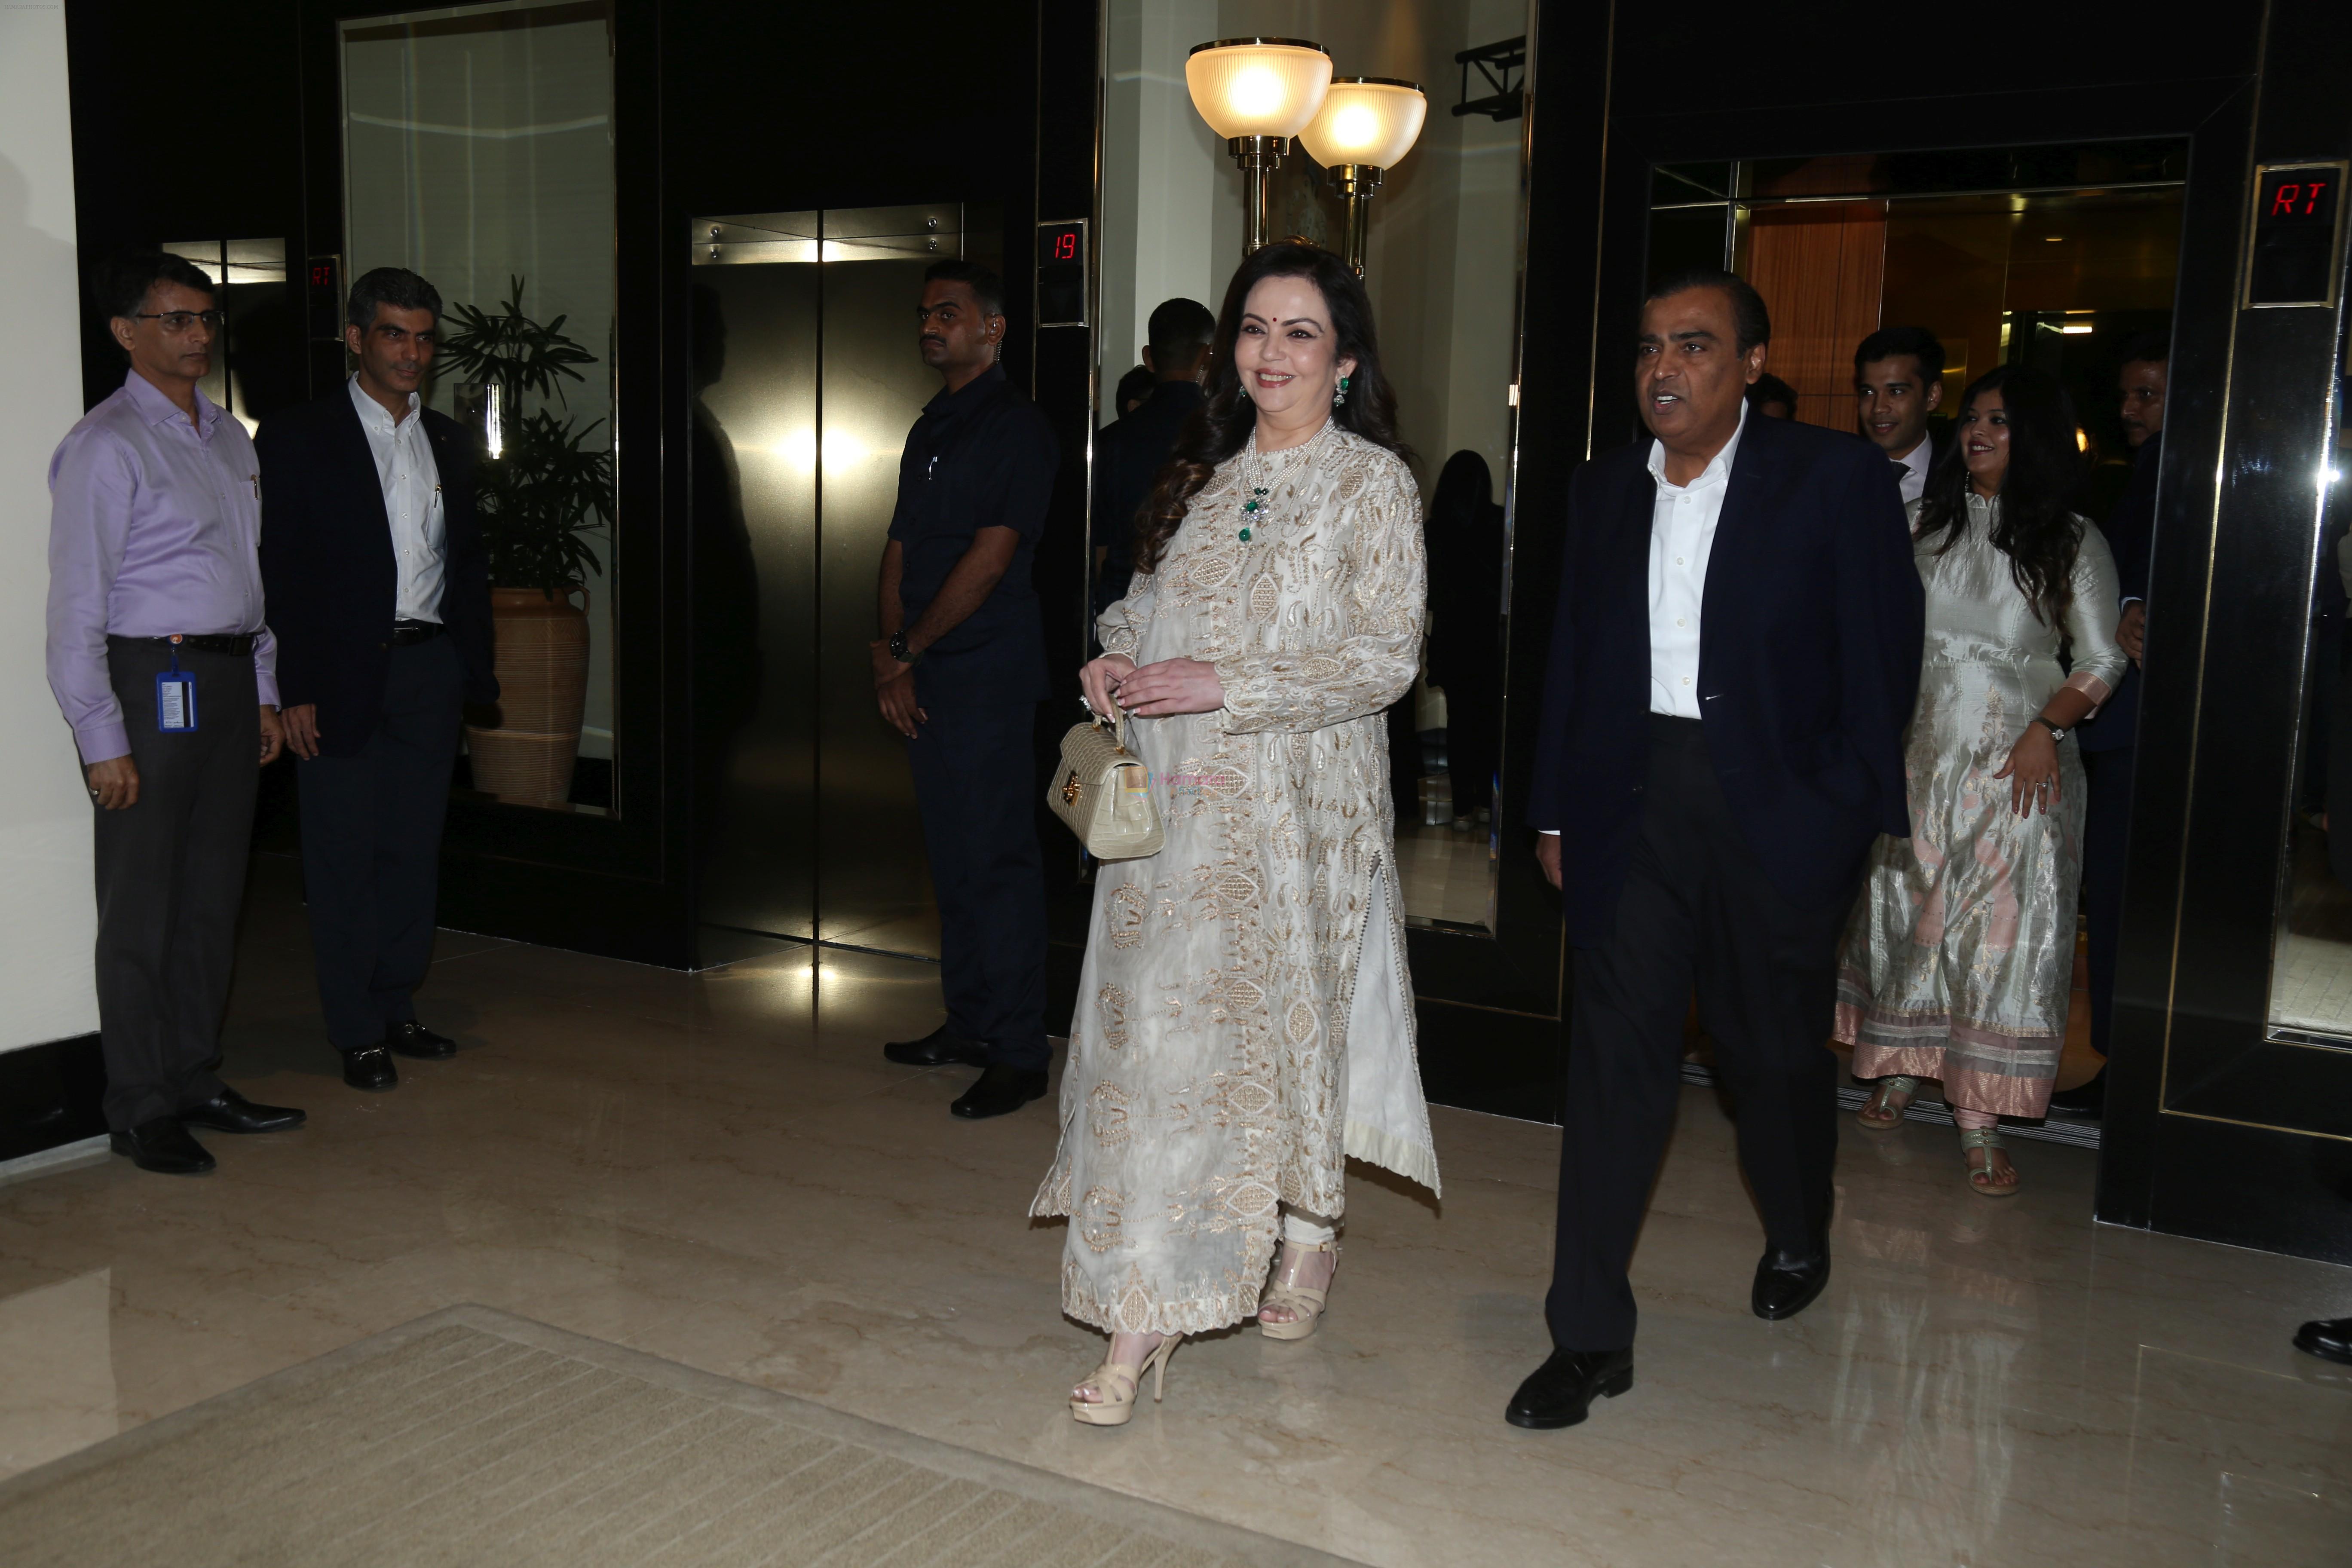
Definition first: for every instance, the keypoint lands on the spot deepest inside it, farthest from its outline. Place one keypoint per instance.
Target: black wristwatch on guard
(899, 650)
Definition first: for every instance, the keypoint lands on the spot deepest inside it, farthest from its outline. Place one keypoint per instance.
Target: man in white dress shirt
(1898, 379)
(379, 591)
(1735, 655)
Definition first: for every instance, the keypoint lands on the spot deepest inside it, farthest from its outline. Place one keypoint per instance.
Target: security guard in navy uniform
(959, 670)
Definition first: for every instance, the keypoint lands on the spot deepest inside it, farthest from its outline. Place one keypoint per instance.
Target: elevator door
(807, 380)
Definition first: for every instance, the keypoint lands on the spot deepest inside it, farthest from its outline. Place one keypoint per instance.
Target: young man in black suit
(1131, 450)
(379, 593)
(1898, 384)
(1735, 658)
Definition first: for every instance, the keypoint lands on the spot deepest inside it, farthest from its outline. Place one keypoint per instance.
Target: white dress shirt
(412, 503)
(1682, 536)
(1914, 477)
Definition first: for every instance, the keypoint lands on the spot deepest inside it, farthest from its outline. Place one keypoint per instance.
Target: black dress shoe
(1786, 1282)
(162, 1145)
(2329, 1338)
(2086, 1099)
(230, 1111)
(1000, 1088)
(937, 1049)
(413, 1039)
(1559, 1393)
(371, 1069)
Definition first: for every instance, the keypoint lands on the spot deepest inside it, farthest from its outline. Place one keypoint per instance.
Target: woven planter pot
(543, 668)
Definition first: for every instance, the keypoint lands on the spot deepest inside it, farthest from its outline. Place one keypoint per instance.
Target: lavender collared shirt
(155, 523)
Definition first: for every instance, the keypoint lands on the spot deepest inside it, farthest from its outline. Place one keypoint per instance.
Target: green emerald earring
(1341, 395)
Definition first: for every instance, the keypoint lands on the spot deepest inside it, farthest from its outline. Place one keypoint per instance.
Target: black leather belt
(408, 634)
(238, 643)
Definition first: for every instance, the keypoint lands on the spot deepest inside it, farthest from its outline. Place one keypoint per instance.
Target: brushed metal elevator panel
(873, 885)
(756, 629)
(808, 382)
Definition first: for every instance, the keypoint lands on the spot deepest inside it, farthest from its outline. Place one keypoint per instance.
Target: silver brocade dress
(1244, 1018)
(1959, 962)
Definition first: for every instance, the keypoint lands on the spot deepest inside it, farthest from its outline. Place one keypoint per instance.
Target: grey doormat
(473, 1437)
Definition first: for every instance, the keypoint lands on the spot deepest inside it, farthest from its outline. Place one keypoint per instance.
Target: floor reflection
(719, 1168)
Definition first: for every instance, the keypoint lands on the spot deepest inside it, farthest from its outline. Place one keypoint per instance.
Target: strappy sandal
(1987, 1139)
(1117, 1381)
(1888, 1120)
(1303, 1303)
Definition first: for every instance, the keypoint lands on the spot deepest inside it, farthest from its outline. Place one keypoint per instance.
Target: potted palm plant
(540, 492)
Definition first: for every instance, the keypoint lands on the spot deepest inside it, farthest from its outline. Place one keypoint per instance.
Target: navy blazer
(2131, 534)
(329, 573)
(1811, 631)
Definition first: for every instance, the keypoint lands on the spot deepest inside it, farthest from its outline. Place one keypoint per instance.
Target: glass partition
(1443, 264)
(477, 146)
(2311, 961)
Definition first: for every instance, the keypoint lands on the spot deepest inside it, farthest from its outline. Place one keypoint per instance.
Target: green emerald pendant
(1245, 536)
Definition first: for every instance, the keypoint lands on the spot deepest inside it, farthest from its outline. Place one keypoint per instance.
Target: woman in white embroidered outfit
(1959, 963)
(1244, 1022)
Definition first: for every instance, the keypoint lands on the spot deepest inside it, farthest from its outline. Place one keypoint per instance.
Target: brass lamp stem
(1259, 157)
(1356, 182)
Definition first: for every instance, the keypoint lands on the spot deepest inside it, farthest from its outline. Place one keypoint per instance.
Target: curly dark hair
(1222, 426)
(2035, 526)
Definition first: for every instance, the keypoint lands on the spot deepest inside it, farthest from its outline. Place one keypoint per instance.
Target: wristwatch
(900, 651)
(2055, 732)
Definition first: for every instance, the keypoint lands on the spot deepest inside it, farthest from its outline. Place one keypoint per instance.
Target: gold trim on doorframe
(2258, 1126)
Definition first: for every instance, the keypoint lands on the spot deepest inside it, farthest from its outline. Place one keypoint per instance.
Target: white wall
(47, 916)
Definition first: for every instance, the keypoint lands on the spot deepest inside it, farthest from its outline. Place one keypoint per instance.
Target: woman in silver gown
(1244, 1022)
(1959, 962)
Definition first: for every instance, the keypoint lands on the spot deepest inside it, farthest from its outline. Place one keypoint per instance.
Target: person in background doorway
(1720, 740)
(1898, 382)
(380, 592)
(1465, 608)
(2110, 741)
(1134, 388)
(1959, 963)
(1129, 453)
(160, 659)
(1772, 397)
(959, 670)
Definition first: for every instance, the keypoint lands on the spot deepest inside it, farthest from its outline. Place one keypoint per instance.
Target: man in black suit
(2110, 738)
(1130, 452)
(1735, 658)
(379, 593)
(1898, 384)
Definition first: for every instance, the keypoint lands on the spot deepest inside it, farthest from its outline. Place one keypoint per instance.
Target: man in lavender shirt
(155, 520)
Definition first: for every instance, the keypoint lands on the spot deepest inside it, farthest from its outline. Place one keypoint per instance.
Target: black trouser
(976, 786)
(1696, 910)
(170, 875)
(372, 846)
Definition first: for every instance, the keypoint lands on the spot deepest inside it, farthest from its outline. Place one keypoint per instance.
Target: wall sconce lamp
(1366, 124)
(1258, 93)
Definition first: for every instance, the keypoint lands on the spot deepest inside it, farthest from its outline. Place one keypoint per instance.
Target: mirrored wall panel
(2311, 962)
(1443, 257)
(478, 151)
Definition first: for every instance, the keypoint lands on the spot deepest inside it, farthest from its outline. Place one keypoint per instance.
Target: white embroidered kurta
(1244, 1018)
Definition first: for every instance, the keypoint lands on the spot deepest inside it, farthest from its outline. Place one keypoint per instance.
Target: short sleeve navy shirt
(981, 457)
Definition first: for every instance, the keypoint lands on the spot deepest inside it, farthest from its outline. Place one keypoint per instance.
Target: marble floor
(719, 1169)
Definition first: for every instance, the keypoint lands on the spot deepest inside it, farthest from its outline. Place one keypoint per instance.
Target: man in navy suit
(1734, 660)
(379, 591)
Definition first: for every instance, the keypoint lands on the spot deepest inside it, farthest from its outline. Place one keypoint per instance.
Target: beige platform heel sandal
(1981, 1177)
(1118, 1383)
(1303, 1303)
(1880, 1113)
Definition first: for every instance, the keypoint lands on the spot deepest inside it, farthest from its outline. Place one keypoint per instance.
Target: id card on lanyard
(175, 697)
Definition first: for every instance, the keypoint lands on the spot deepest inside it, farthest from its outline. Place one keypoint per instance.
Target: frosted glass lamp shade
(1369, 121)
(1257, 86)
